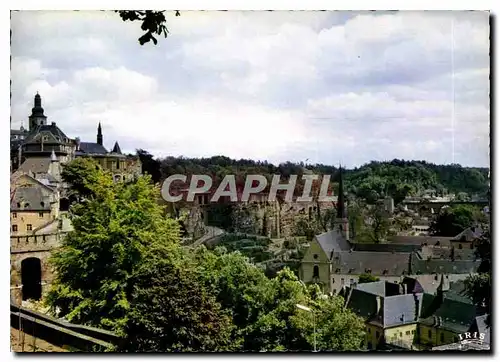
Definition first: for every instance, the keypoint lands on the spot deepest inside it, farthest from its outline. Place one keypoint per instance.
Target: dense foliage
(397, 178)
(479, 286)
(122, 268)
(452, 221)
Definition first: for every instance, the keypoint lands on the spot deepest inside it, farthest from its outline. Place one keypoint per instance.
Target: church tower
(341, 221)
(99, 134)
(37, 117)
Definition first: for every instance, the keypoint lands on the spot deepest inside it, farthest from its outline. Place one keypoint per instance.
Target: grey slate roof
(420, 240)
(362, 303)
(91, 148)
(377, 288)
(445, 253)
(116, 148)
(394, 310)
(29, 199)
(380, 263)
(401, 309)
(453, 315)
(470, 234)
(35, 165)
(51, 130)
(440, 266)
(332, 241)
(397, 248)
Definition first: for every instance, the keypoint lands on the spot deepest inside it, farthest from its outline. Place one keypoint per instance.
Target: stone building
(404, 316)
(122, 167)
(41, 140)
(37, 225)
(335, 261)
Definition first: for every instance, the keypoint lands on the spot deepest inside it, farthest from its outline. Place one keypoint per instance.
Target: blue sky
(323, 86)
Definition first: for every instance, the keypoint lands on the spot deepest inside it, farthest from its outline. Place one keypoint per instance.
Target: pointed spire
(341, 214)
(99, 134)
(116, 148)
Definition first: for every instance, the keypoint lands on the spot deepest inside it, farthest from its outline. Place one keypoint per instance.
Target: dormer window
(315, 256)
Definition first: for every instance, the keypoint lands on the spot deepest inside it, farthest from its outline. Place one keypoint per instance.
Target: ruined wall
(32, 246)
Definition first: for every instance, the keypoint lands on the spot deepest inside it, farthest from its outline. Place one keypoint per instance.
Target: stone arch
(31, 278)
(117, 178)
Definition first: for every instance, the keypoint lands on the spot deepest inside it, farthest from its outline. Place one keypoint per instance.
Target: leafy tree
(153, 22)
(171, 311)
(83, 175)
(367, 278)
(452, 221)
(114, 228)
(338, 328)
(478, 287)
(378, 228)
(264, 310)
(150, 165)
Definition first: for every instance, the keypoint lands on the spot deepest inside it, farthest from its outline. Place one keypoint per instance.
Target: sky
(319, 87)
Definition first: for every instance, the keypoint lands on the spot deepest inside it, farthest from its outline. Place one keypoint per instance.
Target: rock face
(272, 219)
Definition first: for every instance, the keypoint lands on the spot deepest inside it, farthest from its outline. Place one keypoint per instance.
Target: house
(399, 316)
(390, 313)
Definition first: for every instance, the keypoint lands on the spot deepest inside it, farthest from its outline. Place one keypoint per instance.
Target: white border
(190, 5)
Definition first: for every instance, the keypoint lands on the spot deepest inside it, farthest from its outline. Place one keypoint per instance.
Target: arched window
(316, 271)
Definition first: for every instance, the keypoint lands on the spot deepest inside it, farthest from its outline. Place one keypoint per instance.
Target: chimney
(53, 124)
(77, 142)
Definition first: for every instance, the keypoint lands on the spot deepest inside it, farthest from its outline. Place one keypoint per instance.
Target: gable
(315, 249)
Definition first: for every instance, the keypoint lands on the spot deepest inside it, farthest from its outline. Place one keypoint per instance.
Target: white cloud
(267, 85)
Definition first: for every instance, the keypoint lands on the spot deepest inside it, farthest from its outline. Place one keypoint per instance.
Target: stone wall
(32, 246)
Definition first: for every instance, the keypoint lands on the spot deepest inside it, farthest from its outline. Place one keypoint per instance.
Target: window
(333, 280)
(429, 334)
(14, 215)
(14, 228)
(351, 281)
(413, 332)
(29, 227)
(401, 334)
(40, 214)
(407, 333)
(460, 246)
(342, 281)
(315, 256)
(377, 334)
(316, 271)
(117, 164)
(369, 330)
(441, 337)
